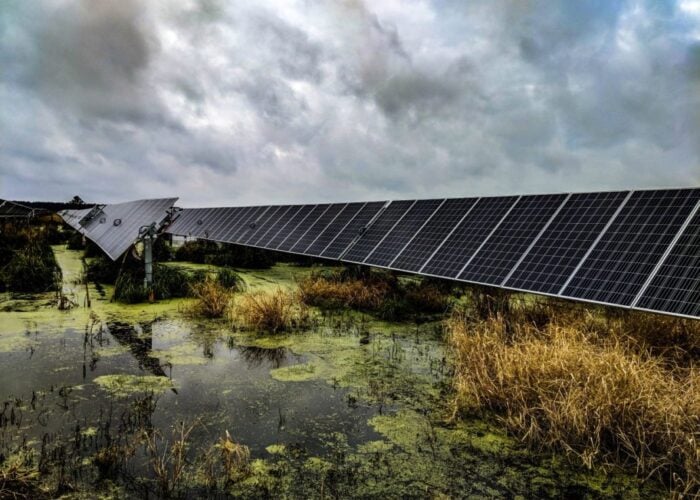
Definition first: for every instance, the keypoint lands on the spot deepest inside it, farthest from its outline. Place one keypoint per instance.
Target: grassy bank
(620, 390)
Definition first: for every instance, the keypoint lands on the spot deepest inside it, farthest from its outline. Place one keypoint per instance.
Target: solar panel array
(632, 249)
(114, 228)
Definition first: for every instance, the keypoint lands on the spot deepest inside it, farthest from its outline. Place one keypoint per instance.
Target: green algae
(295, 373)
(181, 354)
(276, 449)
(125, 385)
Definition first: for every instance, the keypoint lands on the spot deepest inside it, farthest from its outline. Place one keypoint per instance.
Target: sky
(266, 102)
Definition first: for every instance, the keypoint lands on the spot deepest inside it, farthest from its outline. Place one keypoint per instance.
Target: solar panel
(675, 288)
(317, 228)
(286, 230)
(262, 224)
(334, 228)
(266, 240)
(246, 224)
(303, 226)
(619, 264)
(116, 227)
(558, 251)
(493, 261)
(228, 233)
(429, 238)
(468, 236)
(396, 239)
(352, 230)
(359, 251)
(225, 217)
(273, 222)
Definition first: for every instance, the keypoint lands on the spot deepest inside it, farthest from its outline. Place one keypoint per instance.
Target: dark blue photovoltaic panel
(281, 216)
(296, 219)
(501, 252)
(433, 234)
(456, 250)
(303, 227)
(317, 228)
(262, 224)
(246, 225)
(237, 224)
(266, 240)
(550, 262)
(621, 261)
(334, 228)
(379, 228)
(676, 286)
(401, 234)
(353, 230)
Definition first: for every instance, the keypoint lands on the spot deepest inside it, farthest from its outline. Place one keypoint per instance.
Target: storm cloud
(272, 102)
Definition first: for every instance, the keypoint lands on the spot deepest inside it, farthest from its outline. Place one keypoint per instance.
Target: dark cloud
(301, 101)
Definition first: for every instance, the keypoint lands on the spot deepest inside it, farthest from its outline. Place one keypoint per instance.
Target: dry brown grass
(579, 384)
(275, 311)
(211, 299)
(337, 291)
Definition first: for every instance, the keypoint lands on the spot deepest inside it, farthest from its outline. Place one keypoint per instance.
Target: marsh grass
(211, 299)
(375, 291)
(32, 268)
(275, 311)
(576, 381)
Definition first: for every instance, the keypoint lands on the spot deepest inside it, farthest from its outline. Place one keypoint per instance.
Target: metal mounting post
(148, 234)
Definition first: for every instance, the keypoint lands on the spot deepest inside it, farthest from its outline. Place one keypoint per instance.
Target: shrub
(230, 279)
(208, 252)
(211, 299)
(75, 241)
(560, 387)
(339, 289)
(270, 311)
(168, 282)
(33, 269)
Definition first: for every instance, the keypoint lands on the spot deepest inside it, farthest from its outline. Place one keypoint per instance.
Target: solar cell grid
(285, 231)
(267, 240)
(501, 252)
(395, 241)
(303, 227)
(243, 227)
(676, 286)
(261, 225)
(225, 219)
(555, 255)
(352, 230)
(377, 231)
(333, 229)
(272, 223)
(470, 233)
(317, 228)
(619, 264)
(429, 238)
(236, 224)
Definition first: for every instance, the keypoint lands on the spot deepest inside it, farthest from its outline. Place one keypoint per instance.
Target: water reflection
(255, 356)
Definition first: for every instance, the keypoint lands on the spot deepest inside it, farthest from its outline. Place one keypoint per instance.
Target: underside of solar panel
(630, 249)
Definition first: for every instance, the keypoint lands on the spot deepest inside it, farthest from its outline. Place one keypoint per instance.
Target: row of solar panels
(637, 249)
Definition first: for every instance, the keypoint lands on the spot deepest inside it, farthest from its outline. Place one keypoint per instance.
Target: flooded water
(352, 407)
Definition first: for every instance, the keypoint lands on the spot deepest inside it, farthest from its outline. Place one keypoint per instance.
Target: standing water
(143, 400)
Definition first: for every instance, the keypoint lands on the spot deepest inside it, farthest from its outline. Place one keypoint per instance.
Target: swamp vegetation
(296, 381)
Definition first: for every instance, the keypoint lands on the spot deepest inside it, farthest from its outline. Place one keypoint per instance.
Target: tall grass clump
(32, 269)
(565, 387)
(376, 291)
(168, 282)
(211, 299)
(275, 311)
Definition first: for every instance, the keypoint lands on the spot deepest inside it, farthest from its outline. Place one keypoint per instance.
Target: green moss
(187, 353)
(276, 449)
(125, 385)
(294, 373)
